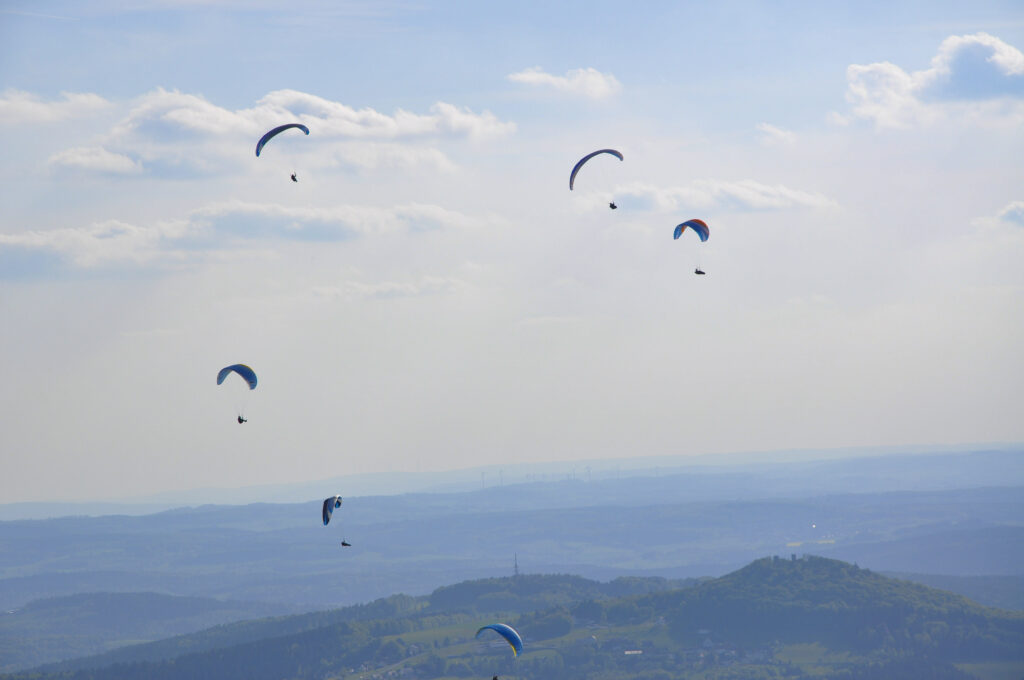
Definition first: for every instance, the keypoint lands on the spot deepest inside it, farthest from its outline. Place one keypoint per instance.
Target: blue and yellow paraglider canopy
(247, 374)
(507, 632)
(697, 225)
(275, 132)
(579, 164)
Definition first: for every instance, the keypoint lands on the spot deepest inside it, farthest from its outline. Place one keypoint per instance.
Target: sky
(430, 295)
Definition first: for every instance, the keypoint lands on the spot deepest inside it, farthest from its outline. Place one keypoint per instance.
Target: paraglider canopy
(276, 131)
(576, 168)
(329, 505)
(697, 225)
(507, 632)
(247, 374)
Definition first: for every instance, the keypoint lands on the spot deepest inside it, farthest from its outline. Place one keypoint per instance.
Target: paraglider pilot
(698, 271)
(294, 178)
(613, 206)
(241, 420)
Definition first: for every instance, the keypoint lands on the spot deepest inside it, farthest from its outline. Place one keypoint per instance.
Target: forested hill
(810, 617)
(482, 597)
(842, 606)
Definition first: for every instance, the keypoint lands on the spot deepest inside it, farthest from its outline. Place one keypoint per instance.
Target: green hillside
(811, 617)
(470, 598)
(89, 623)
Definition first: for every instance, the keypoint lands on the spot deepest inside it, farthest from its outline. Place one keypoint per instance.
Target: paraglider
(507, 632)
(246, 374)
(330, 505)
(582, 161)
(702, 230)
(275, 132)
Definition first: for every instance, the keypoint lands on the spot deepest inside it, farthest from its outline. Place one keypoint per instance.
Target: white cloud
(336, 119)
(104, 243)
(24, 107)
(97, 159)
(586, 82)
(1014, 212)
(186, 112)
(384, 155)
(837, 119)
(970, 74)
(260, 220)
(775, 135)
(210, 229)
(1008, 59)
(325, 118)
(171, 131)
(428, 285)
(709, 193)
(461, 121)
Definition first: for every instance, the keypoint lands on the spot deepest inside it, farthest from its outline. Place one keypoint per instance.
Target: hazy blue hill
(282, 553)
(811, 617)
(77, 625)
(628, 481)
(1004, 592)
(983, 550)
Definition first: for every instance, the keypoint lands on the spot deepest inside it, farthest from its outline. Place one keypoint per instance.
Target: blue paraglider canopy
(576, 168)
(247, 374)
(329, 505)
(276, 131)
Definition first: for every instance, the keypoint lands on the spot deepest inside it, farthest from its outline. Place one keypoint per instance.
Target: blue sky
(431, 296)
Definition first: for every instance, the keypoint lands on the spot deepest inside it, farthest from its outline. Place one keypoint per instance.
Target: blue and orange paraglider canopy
(697, 225)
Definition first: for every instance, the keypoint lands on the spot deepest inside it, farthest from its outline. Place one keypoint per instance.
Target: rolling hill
(808, 617)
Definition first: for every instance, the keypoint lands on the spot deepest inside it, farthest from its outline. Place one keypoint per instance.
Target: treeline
(529, 593)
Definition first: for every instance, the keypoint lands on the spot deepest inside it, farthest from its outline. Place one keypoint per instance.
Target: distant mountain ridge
(768, 474)
(413, 544)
